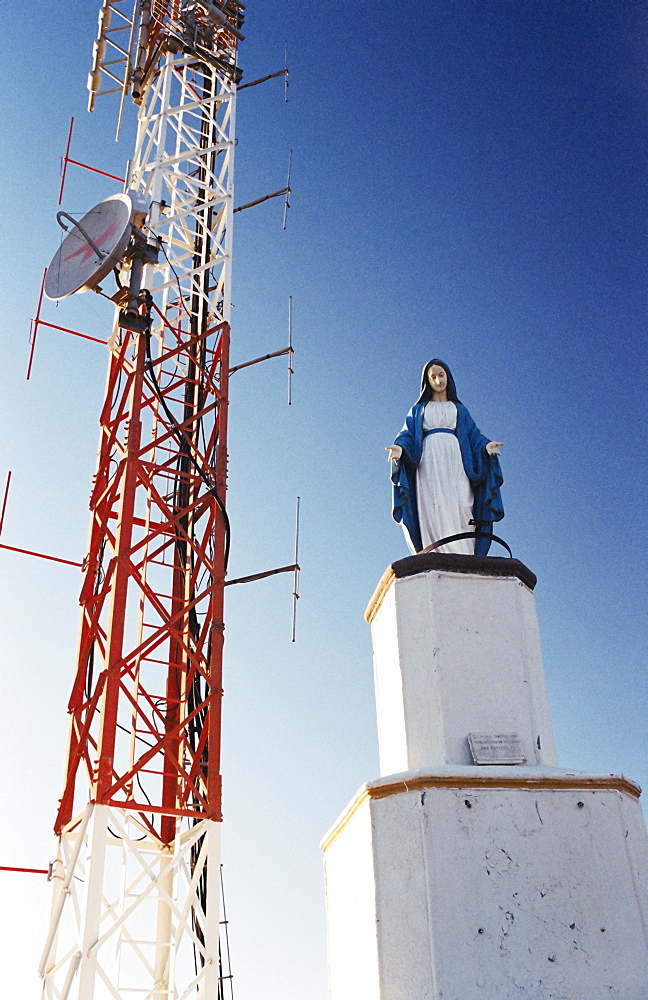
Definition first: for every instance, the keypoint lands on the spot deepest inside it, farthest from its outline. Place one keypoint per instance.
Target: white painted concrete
(455, 881)
(456, 653)
(351, 916)
(489, 893)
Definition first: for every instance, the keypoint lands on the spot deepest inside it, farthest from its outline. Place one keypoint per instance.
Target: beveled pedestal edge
(442, 561)
(475, 779)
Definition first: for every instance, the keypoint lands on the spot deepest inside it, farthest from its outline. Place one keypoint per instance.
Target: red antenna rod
(33, 328)
(4, 502)
(32, 871)
(40, 555)
(26, 552)
(66, 159)
(37, 321)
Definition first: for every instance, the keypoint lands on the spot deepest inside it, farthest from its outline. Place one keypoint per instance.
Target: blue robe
(483, 471)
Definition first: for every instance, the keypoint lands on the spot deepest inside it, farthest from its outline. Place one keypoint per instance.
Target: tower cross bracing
(135, 909)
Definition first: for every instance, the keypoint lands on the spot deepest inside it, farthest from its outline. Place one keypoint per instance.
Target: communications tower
(136, 883)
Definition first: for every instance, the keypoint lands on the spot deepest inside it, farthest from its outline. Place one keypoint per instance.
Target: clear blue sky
(469, 183)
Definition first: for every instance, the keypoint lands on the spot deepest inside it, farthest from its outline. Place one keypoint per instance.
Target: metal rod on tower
(225, 953)
(65, 161)
(38, 322)
(260, 201)
(263, 79)
(75, 333)
(127, 72)
(288, 191)
(26, 552)
(296, 576)
(33, 327)
(264, 357)
(27, 871)
(253, 577)
(4, 501)
(40, 555)
(77, 163)
(291, 371)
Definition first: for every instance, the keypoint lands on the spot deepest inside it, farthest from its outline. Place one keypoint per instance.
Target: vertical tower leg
(163, 934)
(92, 902)
(136, 909)
(211, 982)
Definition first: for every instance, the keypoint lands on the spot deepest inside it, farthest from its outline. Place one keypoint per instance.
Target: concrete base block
(489, 883)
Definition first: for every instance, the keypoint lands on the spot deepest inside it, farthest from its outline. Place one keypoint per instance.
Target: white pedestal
(489, 884)
(456, 651)
(455, 881)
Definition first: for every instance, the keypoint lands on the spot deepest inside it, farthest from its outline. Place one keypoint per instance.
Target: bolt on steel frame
(135, 908)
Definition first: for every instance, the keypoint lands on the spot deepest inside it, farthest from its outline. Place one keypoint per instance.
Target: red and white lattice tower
(135, 909)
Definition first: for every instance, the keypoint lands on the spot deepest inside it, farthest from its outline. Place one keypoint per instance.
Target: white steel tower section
(183, 165)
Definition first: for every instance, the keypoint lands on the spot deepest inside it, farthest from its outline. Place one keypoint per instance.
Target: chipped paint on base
(476, 894)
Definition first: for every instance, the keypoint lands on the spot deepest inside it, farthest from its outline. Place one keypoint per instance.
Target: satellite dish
(92, 248)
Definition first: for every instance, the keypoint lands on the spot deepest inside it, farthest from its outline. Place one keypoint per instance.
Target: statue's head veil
(426, 391)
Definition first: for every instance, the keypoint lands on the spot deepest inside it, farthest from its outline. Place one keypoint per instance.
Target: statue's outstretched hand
(395, 452)
(493, 447)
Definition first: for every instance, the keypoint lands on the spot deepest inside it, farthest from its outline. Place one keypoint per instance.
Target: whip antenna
(296, 576)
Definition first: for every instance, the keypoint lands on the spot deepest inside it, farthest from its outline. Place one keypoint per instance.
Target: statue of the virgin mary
(446, 474)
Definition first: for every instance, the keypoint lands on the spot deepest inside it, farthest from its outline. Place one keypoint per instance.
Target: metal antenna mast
(135, 908)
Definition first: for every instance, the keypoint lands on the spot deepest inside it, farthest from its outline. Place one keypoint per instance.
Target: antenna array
(137, 878)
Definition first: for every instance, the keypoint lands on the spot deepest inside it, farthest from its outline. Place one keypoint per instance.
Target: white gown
(444, 493)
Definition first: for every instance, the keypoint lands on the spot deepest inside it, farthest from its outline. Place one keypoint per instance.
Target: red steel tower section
(136, 884)
(145, 704)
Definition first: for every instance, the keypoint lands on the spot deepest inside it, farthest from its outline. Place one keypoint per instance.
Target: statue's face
(437, 378)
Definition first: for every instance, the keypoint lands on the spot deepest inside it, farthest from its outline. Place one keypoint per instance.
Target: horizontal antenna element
(275, 194)
(259, 201)
(264, 357)
(263, 79)
(67, 159)
(262, 576)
